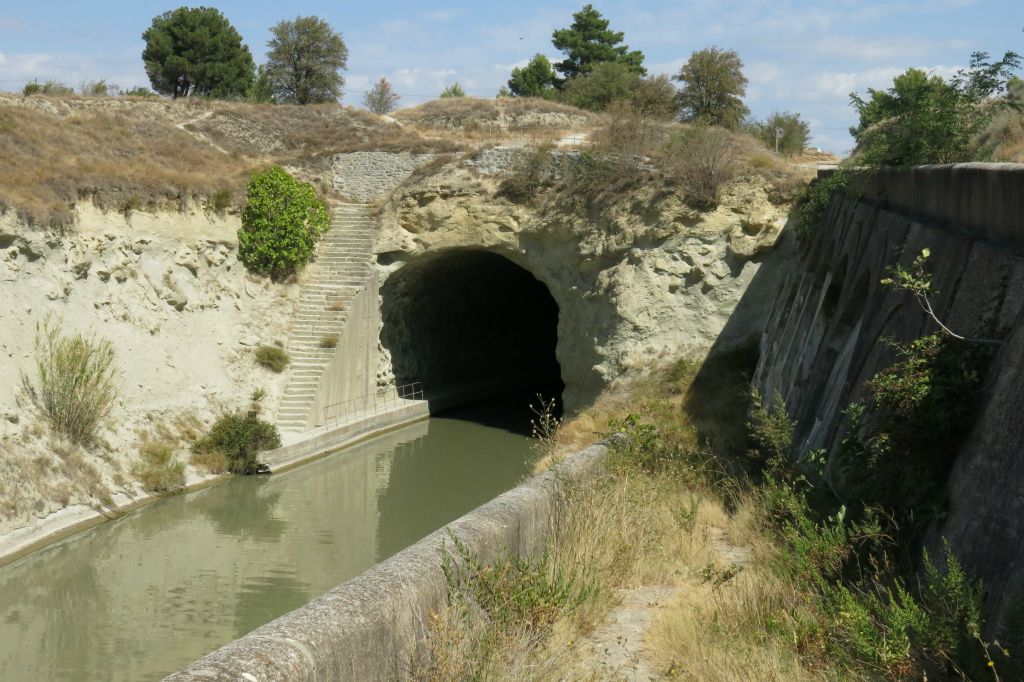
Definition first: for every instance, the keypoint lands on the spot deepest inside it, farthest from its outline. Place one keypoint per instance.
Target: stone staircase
(340, 271)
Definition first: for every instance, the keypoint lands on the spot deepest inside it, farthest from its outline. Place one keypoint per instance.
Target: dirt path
(616, 650)
(184, 125)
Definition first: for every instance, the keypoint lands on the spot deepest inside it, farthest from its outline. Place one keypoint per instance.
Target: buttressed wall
(827, 336)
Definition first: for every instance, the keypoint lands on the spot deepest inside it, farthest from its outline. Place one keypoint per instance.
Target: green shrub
(453, 90)
(100, 88)
(532, 171)
(56, 88)
(273, 358)
(157, 468)
(810, 207)
(220, 201)
(794, 132)
(240, 437)
(140, 91)
(329, 341)
(76, 389)
(281, 224)
(33, 88)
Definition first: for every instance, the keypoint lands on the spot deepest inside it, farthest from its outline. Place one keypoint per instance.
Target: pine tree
(589, 41)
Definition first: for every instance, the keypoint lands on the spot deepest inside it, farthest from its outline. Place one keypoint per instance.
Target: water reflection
(139, 597)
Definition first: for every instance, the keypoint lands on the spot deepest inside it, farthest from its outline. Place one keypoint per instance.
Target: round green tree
(196, 51)
(713, 88)
(305, 60)
(281, 224)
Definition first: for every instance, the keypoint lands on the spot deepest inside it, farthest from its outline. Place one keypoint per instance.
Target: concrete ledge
(321, 441)
(984, 199)
(373, 627)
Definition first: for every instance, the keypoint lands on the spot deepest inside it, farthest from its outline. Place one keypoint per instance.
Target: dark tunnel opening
(473, 323)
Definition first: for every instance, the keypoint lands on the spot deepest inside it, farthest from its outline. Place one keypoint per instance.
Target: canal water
(138, 598)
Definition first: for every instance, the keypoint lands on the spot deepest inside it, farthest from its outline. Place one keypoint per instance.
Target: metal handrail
(369, 404)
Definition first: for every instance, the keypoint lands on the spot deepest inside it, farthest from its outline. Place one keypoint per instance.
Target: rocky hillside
(119, 218)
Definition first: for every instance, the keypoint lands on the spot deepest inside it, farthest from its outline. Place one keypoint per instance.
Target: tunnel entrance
(469, 322)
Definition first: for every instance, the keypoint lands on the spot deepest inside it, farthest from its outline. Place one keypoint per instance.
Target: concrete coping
(374, 626)
(984, 199)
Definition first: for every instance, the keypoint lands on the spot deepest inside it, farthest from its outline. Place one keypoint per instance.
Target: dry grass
(500, 113)
(637, 527)
(123, 159)
(129, 154)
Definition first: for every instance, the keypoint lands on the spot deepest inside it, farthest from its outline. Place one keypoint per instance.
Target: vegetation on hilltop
(195, 51)
(304, 62)
(926, 119)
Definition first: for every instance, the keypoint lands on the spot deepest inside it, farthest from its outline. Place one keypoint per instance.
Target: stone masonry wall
(368, 176)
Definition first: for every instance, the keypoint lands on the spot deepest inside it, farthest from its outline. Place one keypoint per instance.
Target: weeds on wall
(273, 358)
(157, 469)
(812, 203)
(76, 387)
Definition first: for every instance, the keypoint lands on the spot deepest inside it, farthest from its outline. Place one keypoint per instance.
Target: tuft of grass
(76, 387)
(157, 469)
(273, 358)
(329, 341)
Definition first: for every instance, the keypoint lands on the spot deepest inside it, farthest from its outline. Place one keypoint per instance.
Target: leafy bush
(812, 203)
(100, 88)
(532, 170)
(220, 201)
(50, 87)
(924, 118)
(76, 389)
(381, 98)
(793, 133)
(240, 437)
(273, 358)
(157, 468)
(281, 224)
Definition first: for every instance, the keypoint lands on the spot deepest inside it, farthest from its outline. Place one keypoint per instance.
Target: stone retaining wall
(373, 626)
(368, 176)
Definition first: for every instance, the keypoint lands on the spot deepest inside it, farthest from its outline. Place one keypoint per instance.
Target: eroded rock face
(644, 278)
(168, 292)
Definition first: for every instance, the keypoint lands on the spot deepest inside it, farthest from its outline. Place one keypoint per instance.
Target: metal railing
(371, 403)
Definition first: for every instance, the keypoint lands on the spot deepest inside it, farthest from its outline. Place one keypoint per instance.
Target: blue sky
(799, 56)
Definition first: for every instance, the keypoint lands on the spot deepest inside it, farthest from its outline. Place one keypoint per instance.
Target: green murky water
(137, 598)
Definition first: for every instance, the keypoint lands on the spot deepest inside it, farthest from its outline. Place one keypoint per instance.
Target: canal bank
(303, 448)
(145, 594)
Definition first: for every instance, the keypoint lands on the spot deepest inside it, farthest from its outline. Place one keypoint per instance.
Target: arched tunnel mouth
(471, 324)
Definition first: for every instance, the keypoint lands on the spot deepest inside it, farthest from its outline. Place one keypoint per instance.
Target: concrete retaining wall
(352, 370)
(827, 336)
(373, 627)
(986, 199)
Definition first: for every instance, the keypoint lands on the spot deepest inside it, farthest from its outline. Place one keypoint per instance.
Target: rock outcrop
(643, 278)
(183, 315)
